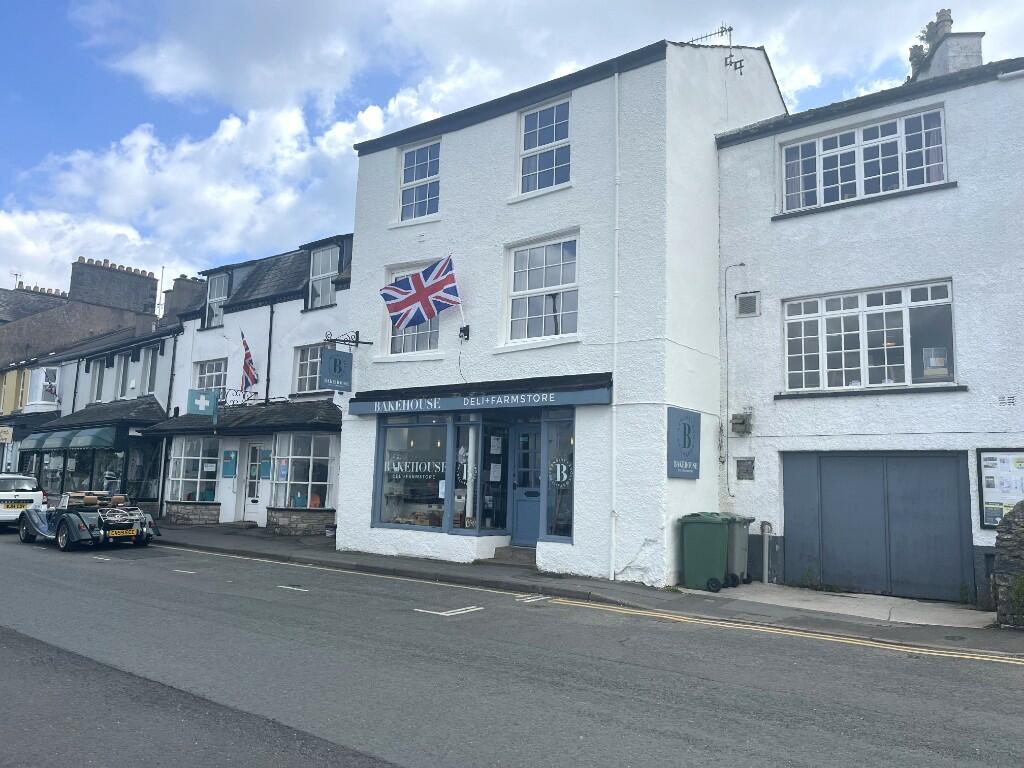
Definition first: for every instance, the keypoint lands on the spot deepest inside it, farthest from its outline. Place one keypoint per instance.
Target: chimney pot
(21, 284)
(106, 262)
(943, 24)
(81, 259)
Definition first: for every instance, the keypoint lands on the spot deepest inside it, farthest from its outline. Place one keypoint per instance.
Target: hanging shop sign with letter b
(335, 370)
(683, 443)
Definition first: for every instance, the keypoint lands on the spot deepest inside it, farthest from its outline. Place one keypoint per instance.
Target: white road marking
(40, 547)
(294, 589)
(337, 570)
(532, 598)
(453, 612)
(97, 557)
(178, 570)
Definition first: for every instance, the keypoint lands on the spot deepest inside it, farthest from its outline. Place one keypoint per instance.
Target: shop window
(143, 469)
(560, 477)
(192, 474)
(108, 470)
(52, 472)
(411, 491)
(467, 476)
(302, 471)
(78, 471)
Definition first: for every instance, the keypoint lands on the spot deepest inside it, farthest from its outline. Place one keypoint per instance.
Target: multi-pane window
(217, 294)
(885, 337)
(415, 338)
(544, 291)
(322, 270)
(307, 368)
(192, 474)
(212, 374)
(149, 362)
(421, 185)
(896, 154)
(122, 370)
(545, 151)
(302, 471)
(43, 385)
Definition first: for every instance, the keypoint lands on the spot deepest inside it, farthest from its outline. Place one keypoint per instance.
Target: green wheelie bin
(704, 541)
(736, 566)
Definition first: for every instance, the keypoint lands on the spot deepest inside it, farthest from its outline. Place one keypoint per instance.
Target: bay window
(302, 476)
(898, 153)
(899, 336)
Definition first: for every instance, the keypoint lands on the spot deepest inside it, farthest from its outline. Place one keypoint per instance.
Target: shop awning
(257, 419)
(33, 442)
(55, 441)
(93, 437)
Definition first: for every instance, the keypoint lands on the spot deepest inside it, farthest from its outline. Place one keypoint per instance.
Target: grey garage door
(888, 523)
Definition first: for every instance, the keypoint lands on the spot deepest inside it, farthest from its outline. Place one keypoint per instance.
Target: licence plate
(113, 534)
(15, 504)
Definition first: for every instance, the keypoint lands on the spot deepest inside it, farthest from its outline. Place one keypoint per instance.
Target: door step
(524, 556)
(241, 524)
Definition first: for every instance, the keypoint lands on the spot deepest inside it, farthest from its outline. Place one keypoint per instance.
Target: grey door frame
(964, 509)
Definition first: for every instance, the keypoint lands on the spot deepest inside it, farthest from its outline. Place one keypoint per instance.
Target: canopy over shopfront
(259, 419)
(98, 447)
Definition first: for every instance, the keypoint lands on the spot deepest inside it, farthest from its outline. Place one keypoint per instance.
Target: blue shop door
(526, 485)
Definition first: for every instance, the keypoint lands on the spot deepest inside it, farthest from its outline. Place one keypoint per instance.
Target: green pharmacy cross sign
(203, 402)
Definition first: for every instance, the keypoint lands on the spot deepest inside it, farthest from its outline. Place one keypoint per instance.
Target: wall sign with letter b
(683, 443)
(335, 370)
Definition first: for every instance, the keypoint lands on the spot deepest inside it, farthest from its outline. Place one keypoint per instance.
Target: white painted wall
(664, 104)
(970, 234)
(70, 401)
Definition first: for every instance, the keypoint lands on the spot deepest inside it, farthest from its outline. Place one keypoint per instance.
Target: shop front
(492, 459)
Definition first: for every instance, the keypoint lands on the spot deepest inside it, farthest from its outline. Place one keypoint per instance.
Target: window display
(193, 469)
(560, 477)
(414, 466)
(302, 471)
(143, 470)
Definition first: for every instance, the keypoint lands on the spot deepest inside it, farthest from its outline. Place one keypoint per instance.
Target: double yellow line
(917, 650)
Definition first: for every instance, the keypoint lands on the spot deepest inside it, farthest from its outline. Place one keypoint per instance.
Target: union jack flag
(419, 297)
(249, 377)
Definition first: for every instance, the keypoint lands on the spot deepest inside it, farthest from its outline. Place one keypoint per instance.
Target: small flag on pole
(421, 296)
(249, 377)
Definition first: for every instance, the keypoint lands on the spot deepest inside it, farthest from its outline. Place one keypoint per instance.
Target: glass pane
(300, 470)
(931, 334)
(321, 445)
(318, 496)
(298, 495)
(559, 477)
(413, 468)
(467, 459)
(302, 445)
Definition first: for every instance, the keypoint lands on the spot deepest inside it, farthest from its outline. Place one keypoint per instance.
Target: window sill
(864, 200)
(409, 357)
(413, 222)
(405, 527)
(206, 503)
(317, 309)
(210, 328)
(325, 510)
(550, 341)
(918, 390)
(538, 193)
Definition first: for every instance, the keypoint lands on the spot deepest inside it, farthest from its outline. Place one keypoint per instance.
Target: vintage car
(88, 517)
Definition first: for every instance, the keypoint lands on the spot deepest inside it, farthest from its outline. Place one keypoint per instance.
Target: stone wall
(1009, 568)
(192, 513)
(298, 522)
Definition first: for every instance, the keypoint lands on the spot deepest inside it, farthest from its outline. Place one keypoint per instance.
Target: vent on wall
(748, 304)
(1006, 401)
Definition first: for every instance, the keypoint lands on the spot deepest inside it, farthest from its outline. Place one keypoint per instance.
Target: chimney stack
(185, 294)
(944, 51)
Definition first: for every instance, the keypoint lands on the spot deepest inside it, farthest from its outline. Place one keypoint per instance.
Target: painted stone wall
(1009, 569)
(182, 513)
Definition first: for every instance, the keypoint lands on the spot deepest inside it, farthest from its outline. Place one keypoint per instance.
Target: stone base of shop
(192, 513)
(1009, 568)
(298, 522)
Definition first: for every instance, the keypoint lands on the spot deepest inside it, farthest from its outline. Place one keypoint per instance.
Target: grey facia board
(683, 443)
(482, 402)
(335, 370)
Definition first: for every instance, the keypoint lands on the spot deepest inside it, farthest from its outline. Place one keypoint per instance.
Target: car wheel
(23, 532)
(64, 542)
(143, 542)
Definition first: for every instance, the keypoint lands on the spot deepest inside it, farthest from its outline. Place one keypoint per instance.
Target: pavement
(425, 674)
(875, 617)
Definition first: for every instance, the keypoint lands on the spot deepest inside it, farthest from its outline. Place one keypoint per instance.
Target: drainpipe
(74, 392)
(615, 349)
(270, 342)
(766, 532)
(170, 382)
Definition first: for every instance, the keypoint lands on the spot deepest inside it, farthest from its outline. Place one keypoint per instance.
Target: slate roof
(26, 423)
(15, 304)
(122, 339)
(140, 411)
(909, 90)
(259, 419)
(279, 276)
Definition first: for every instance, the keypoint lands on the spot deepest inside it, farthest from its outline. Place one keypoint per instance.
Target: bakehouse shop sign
(595, 396)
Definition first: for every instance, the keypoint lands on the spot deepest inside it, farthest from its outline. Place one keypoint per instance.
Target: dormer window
(217, 294)
(873, 160)
(323, 268)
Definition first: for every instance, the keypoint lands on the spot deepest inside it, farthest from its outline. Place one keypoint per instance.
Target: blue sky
(188, 133)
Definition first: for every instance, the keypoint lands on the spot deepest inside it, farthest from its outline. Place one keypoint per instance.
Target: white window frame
(37, 378)
(816, 310)
(290, 456)
(214, 317)
(307, 379)
(98, 366)
(149, 370)
(823, 148)
(206, 374)
(429, 330)
(526, 293)
(323, 279)
(122, 371)
(404, 185)
(523, 153)
(178, 472)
